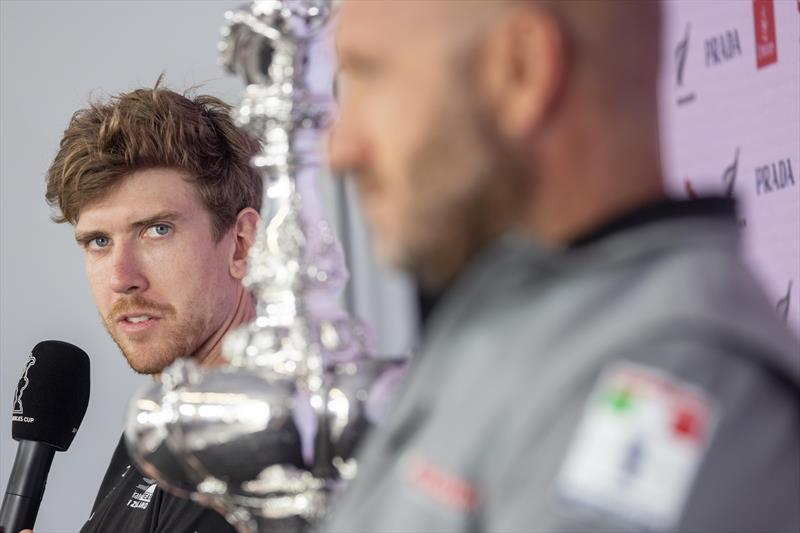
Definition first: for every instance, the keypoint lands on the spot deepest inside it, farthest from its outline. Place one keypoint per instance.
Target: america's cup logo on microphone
(21, 386)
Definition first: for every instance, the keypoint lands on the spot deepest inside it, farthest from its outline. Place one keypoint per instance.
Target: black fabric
(51, 395)
(128, 502)
(426, 302)
(666, 209)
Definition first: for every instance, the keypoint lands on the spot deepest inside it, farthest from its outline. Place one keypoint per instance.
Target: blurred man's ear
(244, 234)
(523, 69)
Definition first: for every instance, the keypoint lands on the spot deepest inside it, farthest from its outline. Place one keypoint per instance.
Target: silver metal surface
(266, 439)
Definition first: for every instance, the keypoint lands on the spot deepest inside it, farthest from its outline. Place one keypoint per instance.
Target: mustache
(138, 303)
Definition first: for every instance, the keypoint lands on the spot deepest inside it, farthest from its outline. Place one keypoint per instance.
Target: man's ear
(524, 68)
(244, 234)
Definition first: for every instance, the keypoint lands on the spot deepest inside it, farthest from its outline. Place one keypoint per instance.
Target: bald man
(598, 357)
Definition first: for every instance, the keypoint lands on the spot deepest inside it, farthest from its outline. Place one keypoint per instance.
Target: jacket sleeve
(711, 442)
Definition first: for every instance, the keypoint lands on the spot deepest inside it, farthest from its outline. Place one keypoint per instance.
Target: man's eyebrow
(83, 237)
(163, 216)
(349, 56)
(348, 59)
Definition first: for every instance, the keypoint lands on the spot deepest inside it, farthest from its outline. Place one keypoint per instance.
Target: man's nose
(127, 275)
(347, 149)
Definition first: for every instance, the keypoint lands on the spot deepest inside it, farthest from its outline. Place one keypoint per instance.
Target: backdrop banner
(730, 121)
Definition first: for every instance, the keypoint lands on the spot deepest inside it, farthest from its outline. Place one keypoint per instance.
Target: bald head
(462, 120)
(613, 44)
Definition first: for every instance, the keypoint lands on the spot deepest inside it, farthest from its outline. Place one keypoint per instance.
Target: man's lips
(137, 321)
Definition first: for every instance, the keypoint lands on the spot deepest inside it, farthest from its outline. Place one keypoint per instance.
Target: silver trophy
(266, 439)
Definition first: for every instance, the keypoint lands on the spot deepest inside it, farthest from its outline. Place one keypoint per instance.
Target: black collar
(662, 210)
(666, 209)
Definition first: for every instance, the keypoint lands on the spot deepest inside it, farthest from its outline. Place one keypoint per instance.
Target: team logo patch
(638, 446)
(143, 494)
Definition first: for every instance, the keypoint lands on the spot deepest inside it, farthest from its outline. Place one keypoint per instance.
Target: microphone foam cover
(52, 395)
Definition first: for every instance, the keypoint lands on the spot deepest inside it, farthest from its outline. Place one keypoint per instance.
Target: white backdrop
(731, 125)
(725, 120)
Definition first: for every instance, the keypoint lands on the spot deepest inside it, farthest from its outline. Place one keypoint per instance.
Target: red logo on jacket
(444, 487)
(766, 42)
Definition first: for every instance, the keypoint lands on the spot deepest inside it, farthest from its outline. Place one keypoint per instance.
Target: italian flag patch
(638, 445)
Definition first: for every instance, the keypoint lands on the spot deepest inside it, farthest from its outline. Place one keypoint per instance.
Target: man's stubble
(469, 183)
(183, 340)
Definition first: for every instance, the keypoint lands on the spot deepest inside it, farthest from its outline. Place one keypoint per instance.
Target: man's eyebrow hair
(83, 237)
(347, 58)
(164, 216)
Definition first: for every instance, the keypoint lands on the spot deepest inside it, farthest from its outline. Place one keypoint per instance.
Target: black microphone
(49, 404)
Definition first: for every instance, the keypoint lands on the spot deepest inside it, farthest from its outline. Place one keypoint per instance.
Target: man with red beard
(165, 206)
(598, 358)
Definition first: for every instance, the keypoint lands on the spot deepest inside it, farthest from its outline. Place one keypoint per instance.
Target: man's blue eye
(98, 242)
(158, 230)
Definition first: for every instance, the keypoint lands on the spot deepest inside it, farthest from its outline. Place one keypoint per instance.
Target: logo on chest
(142, 494)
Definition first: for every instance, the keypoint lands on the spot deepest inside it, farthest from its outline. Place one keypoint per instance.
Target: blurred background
(730, 125)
